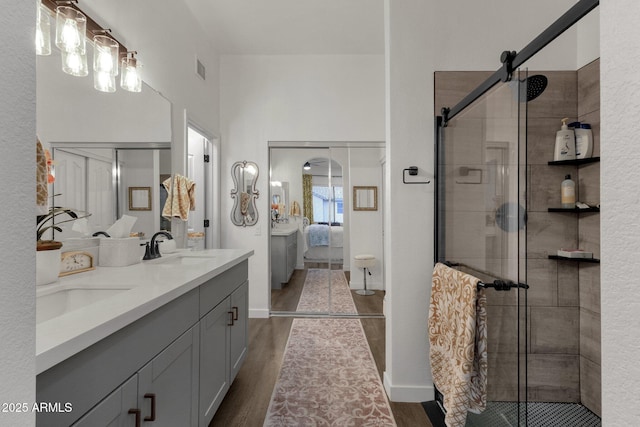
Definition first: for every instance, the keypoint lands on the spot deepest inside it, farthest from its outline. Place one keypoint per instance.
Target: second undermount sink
(57, 303)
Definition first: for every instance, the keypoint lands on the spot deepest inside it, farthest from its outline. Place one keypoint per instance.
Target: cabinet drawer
(217, 289)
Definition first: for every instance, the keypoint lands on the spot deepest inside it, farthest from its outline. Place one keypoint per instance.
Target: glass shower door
(481, 231)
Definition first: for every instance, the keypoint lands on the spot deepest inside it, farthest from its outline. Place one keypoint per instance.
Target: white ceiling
(292, 26)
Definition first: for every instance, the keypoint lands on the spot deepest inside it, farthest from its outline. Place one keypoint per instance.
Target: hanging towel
(458, 342)
(180, 198)
(295, 209)
(42, 190)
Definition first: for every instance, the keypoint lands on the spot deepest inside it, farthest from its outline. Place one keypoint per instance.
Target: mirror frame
(139, 198)
(358, 189)
(236, 195)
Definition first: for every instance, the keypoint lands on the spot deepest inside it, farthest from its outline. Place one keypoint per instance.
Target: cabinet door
(169, 382)
(214, 359)
(292, 254)
(239, 329)
(113, 411)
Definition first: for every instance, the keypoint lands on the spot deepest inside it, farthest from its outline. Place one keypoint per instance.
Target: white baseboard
(258, 313)
(408, 393)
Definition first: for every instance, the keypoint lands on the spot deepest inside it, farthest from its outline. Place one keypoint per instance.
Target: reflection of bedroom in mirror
(314, 235)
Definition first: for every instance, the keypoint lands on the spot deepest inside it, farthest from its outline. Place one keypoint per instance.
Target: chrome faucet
(152, 251)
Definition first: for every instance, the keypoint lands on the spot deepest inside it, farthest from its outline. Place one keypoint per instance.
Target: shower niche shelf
(574, 162)
(574, 210)
(563, 258)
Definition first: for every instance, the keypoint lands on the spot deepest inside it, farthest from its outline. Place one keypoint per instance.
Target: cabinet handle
(230, 318)
(235, 313)
(137, 412)
(151, 396)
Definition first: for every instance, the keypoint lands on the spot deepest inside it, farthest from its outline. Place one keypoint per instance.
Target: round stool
(365, 262)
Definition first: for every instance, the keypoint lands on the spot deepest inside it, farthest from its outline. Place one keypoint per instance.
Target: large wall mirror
(102, 144)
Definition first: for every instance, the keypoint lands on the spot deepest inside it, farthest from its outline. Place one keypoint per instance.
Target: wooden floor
(286, 299)
(248, 399)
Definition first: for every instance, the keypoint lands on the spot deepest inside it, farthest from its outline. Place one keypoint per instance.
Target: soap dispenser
(565, 143)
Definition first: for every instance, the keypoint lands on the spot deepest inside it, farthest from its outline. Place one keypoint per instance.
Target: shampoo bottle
(568, 192)
(584, 141)
(565, 143)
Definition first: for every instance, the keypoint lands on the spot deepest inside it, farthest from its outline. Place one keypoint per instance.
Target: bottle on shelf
(568, 192)
(584, 141)
(565, 143)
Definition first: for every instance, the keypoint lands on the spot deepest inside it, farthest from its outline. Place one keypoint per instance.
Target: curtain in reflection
(307, 197)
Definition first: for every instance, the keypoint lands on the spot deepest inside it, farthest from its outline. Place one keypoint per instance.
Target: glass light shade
(131, 78)
(105, 55)
(71, 27)
(43, 32)
(104, 82)
(75, 64)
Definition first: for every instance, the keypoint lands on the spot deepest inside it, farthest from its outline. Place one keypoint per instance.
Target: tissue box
(120, 252)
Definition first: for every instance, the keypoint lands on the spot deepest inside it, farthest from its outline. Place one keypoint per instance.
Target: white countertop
(153, 284)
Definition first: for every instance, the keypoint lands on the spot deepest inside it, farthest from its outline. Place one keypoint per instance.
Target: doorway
(315, 232)
(203, 159)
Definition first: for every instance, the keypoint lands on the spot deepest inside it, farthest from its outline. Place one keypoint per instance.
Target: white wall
(423, 37)
(289, 98)
(365, 233)
(17, 149)
(168, 38)
(619, 174)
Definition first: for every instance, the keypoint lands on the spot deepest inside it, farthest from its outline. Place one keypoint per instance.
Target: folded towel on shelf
(458, 342)
(180, 198)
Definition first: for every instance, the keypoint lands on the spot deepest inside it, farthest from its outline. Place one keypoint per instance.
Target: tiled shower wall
(564, 297)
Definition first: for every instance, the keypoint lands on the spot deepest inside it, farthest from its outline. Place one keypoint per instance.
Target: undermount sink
(181, 259)
(54, 304)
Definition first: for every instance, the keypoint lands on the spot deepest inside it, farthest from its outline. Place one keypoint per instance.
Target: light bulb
(104, 82)
(43, 33)
(75, 64)
(131, 78)
(71, 26)
(105, 55)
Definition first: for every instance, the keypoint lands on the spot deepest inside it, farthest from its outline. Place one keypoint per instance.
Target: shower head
(536, 84)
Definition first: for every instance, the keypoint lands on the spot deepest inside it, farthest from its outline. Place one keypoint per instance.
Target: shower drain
(539, 414)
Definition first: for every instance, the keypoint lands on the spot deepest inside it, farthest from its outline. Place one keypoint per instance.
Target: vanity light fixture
(306, 166)
(73, 27)
(131, 78)
(43, 32)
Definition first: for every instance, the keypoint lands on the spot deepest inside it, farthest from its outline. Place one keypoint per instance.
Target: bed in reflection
(323, 242)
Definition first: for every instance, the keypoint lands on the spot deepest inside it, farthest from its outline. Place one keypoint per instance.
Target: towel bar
(498, 285)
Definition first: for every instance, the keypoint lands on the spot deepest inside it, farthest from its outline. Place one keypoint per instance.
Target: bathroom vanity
(160, 341)
(284, 255)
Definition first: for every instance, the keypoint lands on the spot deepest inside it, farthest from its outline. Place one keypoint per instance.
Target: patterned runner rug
(315, 292)
(328, 378)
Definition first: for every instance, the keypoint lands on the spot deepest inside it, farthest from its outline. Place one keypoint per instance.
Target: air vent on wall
(200, 70)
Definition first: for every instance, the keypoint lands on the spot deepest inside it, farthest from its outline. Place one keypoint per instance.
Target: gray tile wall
(564, 297)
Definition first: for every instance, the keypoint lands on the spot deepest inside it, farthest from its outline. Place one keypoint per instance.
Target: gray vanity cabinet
(168, 384)
(239, 330)
(284, 255)
(179, 359)
(113, 411)
(219, 364)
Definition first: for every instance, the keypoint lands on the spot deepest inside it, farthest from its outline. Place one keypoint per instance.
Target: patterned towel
(458, 342)
(180, 197)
